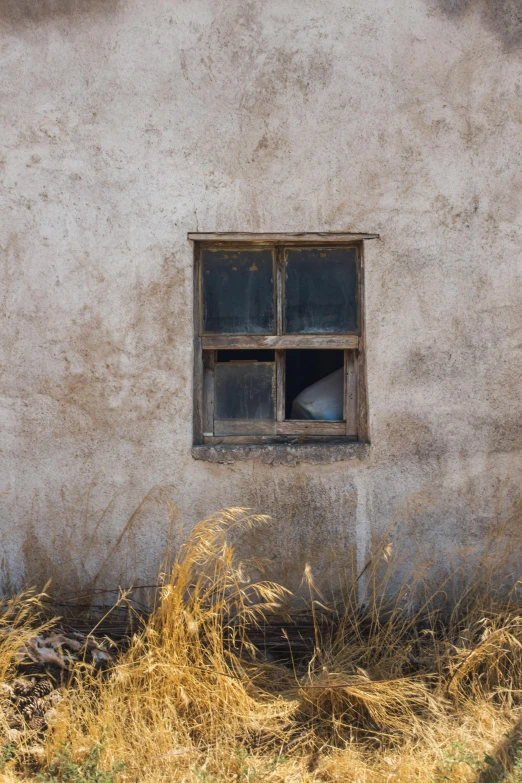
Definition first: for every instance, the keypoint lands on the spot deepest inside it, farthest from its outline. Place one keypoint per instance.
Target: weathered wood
(198, 393)
(355, 402)
(362, 399)
(244, 427)
(280, 385)
(248, 427)
(219, 342)
(280, 291)
(362, 393)
(330, 237)
(291, 440)
(196, 293)
(208, 392)
(350, 393)
(309, 427)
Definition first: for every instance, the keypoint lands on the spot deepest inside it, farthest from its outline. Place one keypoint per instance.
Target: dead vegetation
(424, 686)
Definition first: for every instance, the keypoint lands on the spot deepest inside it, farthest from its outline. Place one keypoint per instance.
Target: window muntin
(327, 308)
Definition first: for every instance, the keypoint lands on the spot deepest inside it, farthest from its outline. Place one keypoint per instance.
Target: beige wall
(127, 123)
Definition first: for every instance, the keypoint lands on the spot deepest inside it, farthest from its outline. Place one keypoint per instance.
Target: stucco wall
(127, 123)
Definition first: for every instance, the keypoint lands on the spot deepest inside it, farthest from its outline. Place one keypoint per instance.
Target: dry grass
(424, 687)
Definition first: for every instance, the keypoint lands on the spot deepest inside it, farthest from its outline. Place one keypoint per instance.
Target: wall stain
(113, 379)
(411, 437)
(18, 12)
(80, 541)
(502, 17)
(312, 520)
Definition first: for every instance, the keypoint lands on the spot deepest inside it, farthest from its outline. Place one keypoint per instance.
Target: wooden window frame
(354, 426)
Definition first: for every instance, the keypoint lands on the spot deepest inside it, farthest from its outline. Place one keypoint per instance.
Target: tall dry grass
(411, 683)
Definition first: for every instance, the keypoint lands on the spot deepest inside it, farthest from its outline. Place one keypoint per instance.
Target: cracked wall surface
(126, 124)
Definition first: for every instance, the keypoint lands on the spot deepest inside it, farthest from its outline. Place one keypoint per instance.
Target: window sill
(283, 453)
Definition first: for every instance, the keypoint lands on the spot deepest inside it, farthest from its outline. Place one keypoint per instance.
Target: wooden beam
(280, 287)
(309, 427)
(208, 393)
(295, 428)
(329, 237)
(244, 427)
(198, 415)
(223, 342)
(280, 385)
(362, 388)
(267, 440)
(350, 392)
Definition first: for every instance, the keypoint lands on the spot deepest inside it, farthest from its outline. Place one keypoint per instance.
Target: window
(279, 348)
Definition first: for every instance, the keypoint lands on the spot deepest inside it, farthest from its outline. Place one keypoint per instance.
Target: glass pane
(244, 391)
(321, 290)
(238, 291)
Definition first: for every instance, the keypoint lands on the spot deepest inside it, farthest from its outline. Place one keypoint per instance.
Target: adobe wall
(126, 124)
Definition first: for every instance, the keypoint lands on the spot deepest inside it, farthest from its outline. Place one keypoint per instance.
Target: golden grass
(402, 690)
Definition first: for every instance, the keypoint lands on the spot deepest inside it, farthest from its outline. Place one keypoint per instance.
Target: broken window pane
(314, 384)
(244, 391)
(321, 290)
(238, 291)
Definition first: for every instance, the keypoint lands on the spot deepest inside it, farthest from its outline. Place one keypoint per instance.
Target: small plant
(495, 772)
(245, 774)
(65, 770)
(249, 775)
(6, 754)
(452, 758)
(203, 776)
(274, 763)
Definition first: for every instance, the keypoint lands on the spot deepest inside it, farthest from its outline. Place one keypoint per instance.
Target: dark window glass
(314, 381)
(245, 391)
(255, 355)
(321, 290)
(238, 291)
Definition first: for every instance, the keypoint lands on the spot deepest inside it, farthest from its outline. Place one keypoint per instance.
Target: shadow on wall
(39, 11)
(503, 17)
(82, 542)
